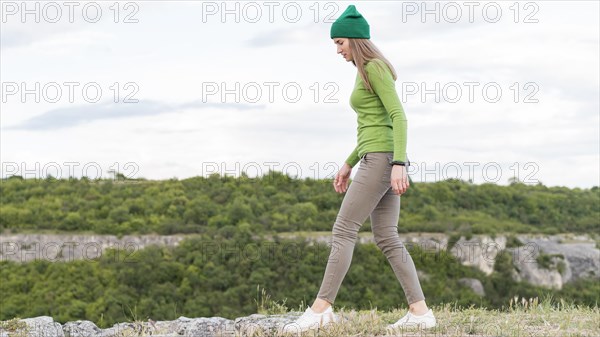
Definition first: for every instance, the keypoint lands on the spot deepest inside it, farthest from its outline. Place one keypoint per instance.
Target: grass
(15, 327)
(520, 317)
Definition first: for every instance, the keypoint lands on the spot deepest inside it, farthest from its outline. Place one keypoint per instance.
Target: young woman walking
(380, 180)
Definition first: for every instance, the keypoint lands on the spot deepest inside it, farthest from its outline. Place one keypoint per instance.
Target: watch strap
(401, 163)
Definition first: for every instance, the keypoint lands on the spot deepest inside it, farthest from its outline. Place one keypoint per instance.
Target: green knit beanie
(350, 24)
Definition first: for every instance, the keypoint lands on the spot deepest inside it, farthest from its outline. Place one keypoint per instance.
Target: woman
(381, 179)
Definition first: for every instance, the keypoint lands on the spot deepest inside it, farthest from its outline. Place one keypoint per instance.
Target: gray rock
(81, 329)
(261, 325)
(204, 327)
(479, 252)
(256, 324)
(43, 326)
(474, 284)
(582, 258)
(578, 259)
(119, 329)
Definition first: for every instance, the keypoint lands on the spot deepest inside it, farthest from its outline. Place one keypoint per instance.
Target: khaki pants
(370, 194)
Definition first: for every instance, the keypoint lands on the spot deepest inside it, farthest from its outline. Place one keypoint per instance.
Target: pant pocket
(387, 172)
(363, 159)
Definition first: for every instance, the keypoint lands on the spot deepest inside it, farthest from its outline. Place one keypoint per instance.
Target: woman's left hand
(399, 179)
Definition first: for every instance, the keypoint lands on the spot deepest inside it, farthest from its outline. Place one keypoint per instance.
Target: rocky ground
(523, 317)
(183, 326)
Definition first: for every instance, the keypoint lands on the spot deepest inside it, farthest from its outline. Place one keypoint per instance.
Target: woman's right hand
(340, 183)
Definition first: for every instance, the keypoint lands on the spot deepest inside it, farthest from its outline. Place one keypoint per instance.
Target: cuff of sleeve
(353, 158)
(401, 159)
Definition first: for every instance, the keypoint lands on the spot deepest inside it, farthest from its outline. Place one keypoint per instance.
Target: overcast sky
(490, 91)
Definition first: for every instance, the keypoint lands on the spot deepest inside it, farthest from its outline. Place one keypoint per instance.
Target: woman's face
(343, 47)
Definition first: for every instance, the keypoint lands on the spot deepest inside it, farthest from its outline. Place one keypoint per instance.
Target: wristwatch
(401, 163)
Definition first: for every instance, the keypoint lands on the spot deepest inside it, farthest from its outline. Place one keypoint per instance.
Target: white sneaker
(310, 321)
(410, 321)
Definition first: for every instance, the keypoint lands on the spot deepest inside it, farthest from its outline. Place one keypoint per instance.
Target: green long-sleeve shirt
(382, 123)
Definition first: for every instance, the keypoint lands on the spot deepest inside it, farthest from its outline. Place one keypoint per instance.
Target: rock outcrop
(474, 284)
(479, 251)
(569, 257)
(253, 325)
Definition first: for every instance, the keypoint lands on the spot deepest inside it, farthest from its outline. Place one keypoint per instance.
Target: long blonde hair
(363, 51)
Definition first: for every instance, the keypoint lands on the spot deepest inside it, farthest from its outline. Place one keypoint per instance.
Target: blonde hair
(363, 51)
